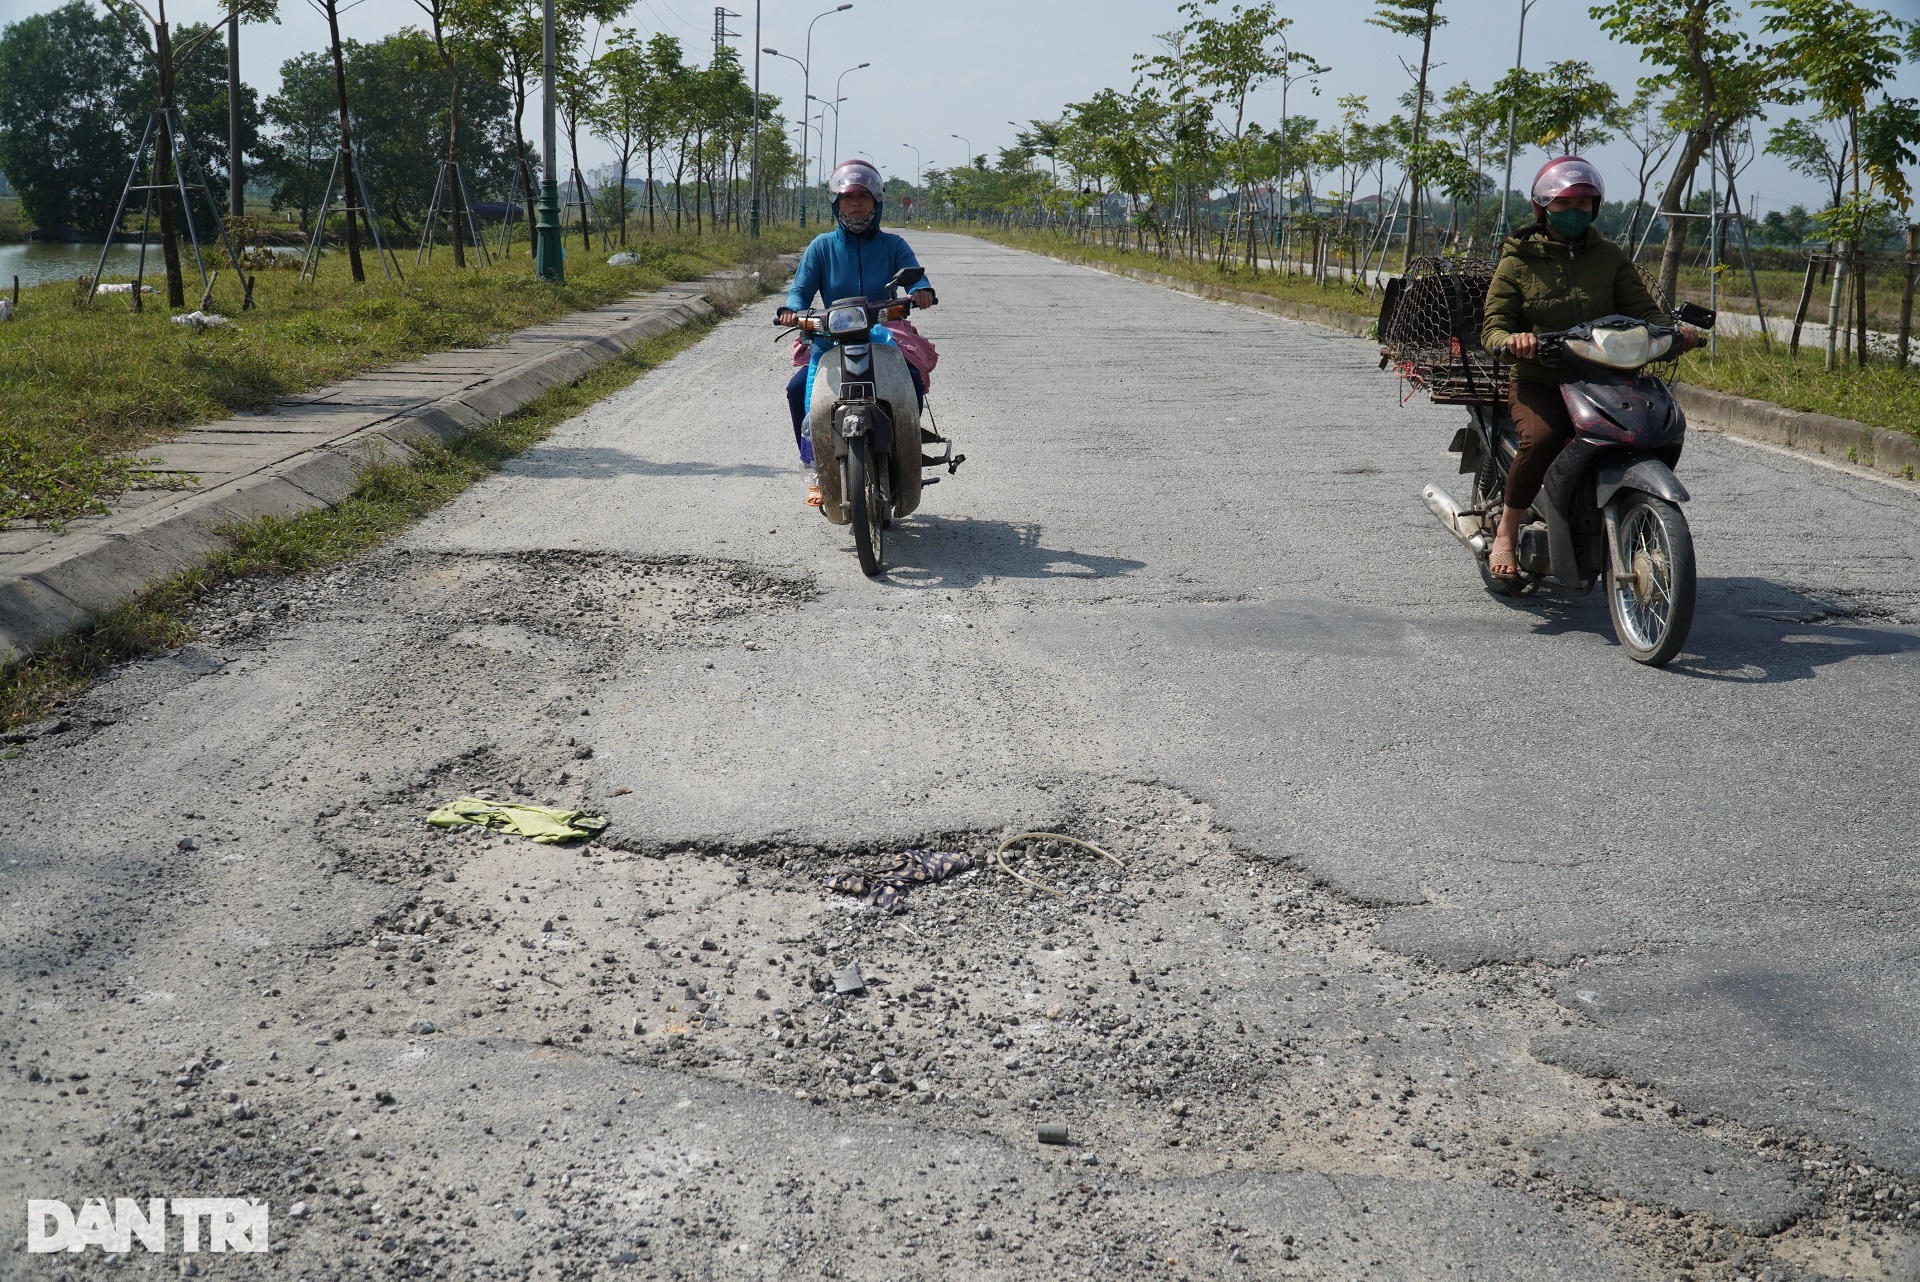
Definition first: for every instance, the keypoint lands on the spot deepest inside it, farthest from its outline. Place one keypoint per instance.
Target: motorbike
(1609, 511)
(865, 421)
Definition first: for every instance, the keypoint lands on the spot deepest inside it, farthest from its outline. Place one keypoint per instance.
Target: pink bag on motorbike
(915, 346)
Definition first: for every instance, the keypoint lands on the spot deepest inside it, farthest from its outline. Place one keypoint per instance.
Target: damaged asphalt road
(1447, 941)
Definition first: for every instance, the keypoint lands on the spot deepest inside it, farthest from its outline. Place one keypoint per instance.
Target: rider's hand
(923, 298)
(784, 316)
(1523, 347)
(1688, 339)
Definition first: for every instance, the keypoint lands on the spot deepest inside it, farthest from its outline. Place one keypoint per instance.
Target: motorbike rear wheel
(869, 516)
(1651, 596)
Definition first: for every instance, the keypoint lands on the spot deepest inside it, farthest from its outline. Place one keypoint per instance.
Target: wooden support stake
(1906, 293)
(16, 292)
(1806, 300)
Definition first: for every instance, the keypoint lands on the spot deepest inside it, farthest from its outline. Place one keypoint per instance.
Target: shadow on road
(604, 463)
(1749, 631)
(962, 552)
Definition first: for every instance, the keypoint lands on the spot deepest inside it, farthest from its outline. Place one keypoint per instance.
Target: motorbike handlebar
(814, 319)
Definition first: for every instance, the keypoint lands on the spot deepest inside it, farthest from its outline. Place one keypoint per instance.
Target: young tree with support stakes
(1844, 55)
(167, 60)
(1718, 78)
(1415, 19)
(1232, 57)
(453, 26)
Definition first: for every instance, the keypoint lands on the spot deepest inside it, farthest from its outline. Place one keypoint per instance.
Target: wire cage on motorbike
(1430, 331)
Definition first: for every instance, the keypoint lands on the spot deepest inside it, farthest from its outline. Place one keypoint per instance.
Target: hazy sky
(967, 67)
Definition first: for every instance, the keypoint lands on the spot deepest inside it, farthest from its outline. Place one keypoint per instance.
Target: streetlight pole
(839, 97)
(806, 88)
(753, 169)
(549, 256)
(916, 161)
(1513, 113)
(968, 158)
(769, 49)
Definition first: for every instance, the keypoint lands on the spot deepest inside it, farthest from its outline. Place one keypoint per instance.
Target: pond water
(38, 261)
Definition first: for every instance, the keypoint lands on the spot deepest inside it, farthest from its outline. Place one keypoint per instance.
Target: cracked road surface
(1443, 941)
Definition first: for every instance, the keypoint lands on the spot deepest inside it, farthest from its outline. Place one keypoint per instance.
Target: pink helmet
(1568, 176)
(855, 175)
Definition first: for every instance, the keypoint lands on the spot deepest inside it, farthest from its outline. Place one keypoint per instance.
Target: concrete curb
(1894, 453)
(81, 575)
(1883, 450)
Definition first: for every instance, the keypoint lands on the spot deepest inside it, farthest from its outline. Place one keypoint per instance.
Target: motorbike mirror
(907, 278)
(1697, 316)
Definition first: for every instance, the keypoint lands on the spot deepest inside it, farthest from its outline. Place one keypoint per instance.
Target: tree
(1415, 19)
(1719, 78)
(1232, 57)
(1843, 55)
(1575, 109)
(1813, 149)
(619, 117)
(70, 113)
(1648, 130)
(453, 26)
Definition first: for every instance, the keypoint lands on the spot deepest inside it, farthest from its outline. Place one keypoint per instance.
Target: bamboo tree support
(1833, 309)
(179, 185)
(310, 266)
(1906, 292)
(1806, 300)
(452, 184)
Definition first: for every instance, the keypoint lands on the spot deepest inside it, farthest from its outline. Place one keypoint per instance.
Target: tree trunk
(163, 170)
(1676, 246)
(579, 183)
(458, 194)
(350, 192)
(1419, 118)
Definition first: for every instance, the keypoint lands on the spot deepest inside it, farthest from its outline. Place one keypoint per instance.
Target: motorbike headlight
(846, 320)
(1620, 348)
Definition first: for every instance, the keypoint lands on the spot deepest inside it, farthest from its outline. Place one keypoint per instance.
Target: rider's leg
(797, 403)
(919, 386)
(1545, 429)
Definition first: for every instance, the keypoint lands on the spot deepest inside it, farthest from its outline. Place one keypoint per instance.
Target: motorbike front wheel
(868, 515)
(1651, 582)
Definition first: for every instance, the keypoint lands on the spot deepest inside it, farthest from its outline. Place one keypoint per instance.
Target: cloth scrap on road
(886, 887)
(544, 824)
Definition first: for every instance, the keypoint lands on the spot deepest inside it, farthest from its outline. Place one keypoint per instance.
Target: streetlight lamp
(969, 156)
(549, 255)
(836, 115)
(1513, 111)
(806, 84)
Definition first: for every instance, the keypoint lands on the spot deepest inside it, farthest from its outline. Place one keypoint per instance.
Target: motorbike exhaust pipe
(1462, 526)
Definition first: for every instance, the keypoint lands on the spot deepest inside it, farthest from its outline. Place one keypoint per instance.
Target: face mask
(859, 227)
(1571, 223)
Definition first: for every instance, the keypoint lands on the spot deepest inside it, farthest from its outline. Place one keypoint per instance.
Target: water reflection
(38, 261)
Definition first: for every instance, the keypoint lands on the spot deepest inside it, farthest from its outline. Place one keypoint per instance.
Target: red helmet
(855, 175)
(1568, 176)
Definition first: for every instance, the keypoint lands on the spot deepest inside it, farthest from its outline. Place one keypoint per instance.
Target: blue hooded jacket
(838, 265)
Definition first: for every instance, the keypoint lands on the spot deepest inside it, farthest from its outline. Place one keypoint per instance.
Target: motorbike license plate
(856, 391)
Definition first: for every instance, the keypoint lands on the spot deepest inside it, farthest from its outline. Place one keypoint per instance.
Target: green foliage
(75, 91)
(1879, 395)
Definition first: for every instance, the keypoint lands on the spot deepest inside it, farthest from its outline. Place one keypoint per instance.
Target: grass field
(83, 388)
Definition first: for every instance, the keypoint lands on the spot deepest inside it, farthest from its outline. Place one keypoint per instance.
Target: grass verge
(1880, 395)
(84, 386)
(390, 497)
(1337, 296)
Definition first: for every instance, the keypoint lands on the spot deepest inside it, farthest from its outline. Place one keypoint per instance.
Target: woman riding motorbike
(854, 260)
(1555, 273)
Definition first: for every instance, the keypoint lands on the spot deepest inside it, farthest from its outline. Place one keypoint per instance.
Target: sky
(941, 68)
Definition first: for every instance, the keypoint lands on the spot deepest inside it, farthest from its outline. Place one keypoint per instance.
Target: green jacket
(1542, 285)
